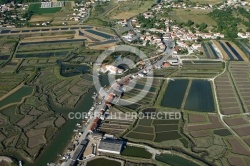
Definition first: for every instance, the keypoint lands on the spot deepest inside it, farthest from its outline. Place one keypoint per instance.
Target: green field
(36, 9)
(136, 152)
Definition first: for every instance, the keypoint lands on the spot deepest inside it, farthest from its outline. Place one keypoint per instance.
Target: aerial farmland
(125, 83)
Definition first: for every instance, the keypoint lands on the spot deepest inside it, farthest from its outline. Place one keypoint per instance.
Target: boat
(20, 163)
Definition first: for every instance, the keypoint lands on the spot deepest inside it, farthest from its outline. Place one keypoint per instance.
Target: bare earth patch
(215, 123)
(59, 121)
(203, 133)
(235, 121)
(195, 118)
(242, 131)
(35, 132)
(25, 121)
(233, 160)
(237, 147)
(36, 140)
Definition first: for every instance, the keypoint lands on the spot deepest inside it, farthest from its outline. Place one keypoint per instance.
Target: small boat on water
(20, 163)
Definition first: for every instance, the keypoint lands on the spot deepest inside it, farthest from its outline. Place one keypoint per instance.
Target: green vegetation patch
(17, 96)
(165, 136)
(144, 129)
(145, 122)
(135, 135)
(185, 142)
(12, 114)
(36, 9)
(136, 152)
(222, 132)
(160, 128)
(174, 160)
(103, 162)
(158, 121)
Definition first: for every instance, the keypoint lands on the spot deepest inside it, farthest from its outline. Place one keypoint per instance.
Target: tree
(202, 26)
(190, 23)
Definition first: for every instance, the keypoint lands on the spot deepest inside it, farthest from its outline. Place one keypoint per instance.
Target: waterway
(62, 138)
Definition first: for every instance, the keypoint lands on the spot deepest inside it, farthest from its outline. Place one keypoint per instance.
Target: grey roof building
(110, 146)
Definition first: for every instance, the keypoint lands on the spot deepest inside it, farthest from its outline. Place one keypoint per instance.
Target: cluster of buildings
(244, 35)
(14, 12)
(203, 6)
(111, 69)
(80, 11)
(123, 22)
(9, 14)
(234, 3)
(183, 5)
(181, 35)
(52, 4)
(7, 7)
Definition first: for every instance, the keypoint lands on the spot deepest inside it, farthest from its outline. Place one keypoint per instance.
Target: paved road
(119, 35)
(138, 35)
